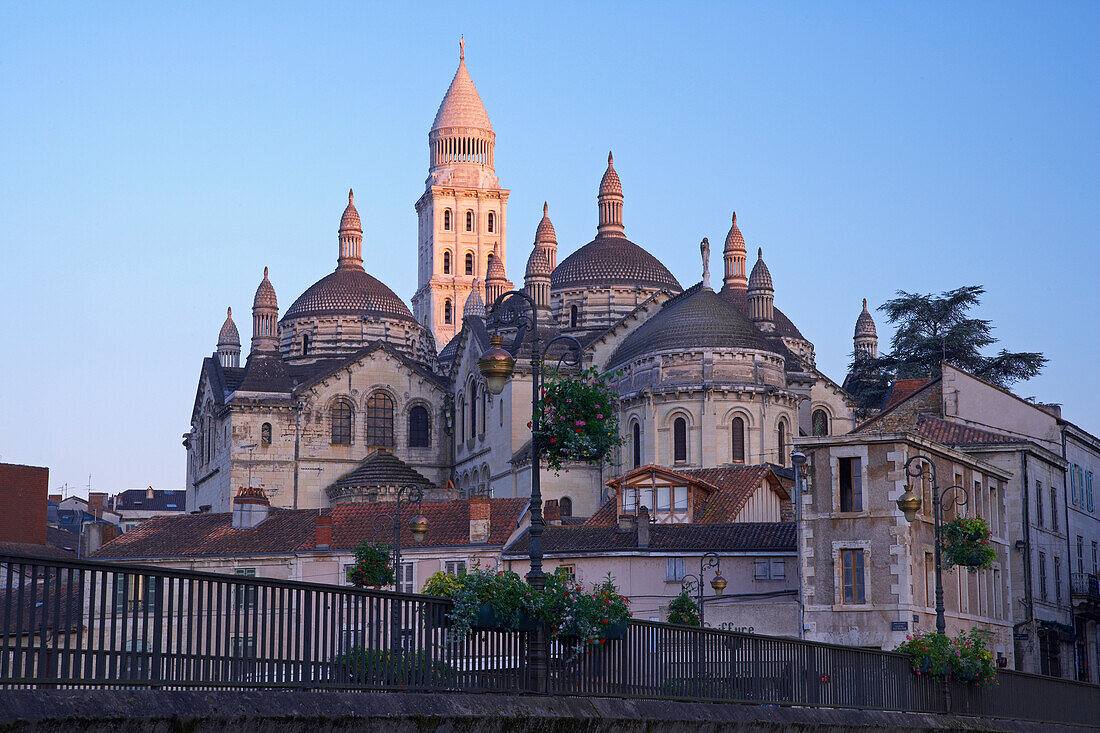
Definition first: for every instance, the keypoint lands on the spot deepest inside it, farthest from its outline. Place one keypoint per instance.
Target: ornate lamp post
(694, 583)
(517, 309)
(418, 525)
(921, 466)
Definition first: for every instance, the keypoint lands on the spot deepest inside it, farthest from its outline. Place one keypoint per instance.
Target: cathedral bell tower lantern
(761, 295)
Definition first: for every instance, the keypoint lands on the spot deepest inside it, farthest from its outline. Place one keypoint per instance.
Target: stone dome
(739, 299)
(349, 291)
(475, 306)
(865, 325)
(265, 294)
(610, 185)
(350, 219)
(697, 319)
(229, 336)
(612, 260)
(761, 277)
(461, 105)
(496, 269)
(734, 241)
(538, 264)
(545, 231)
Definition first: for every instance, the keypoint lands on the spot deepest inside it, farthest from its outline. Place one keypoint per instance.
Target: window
(994, 511)
(820, 422)
(406, 578)
(1053, 509)
(469, 223)
(782, 439)
(1094, 548)
(379, 419)
(637, 430)
(448, 311)
(134, 593)
(341, 423)
(305, 344)
(674, 569)
(446, 263)
(1058, 580)
(851, 485)
(570, 571)
(1080, 554)
(630, 500)
(1042, 576)
(738, 430)
(679, 440)
(1038, 503)
(245, 594)
(997, 611)
(565, 507)
(1088, 490)
(455, 567)
(492, 222)
(265, 434)
(929, 580)
(473, 409)
(469, 263)
(447, 220)
(852, 578)
(419, 436)
(573, 311)
(765, 569)
(1073, 484)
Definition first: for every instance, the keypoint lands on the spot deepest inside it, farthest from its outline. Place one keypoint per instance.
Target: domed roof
(761, 277)
(475, 306)
(265, 294)
(739, 299)
(538, 263)
(865, 325)
(350, 219)
(496, 269)
(734, 241)
(545, 232)
(612, 260)
(697, 319)
(229, 336)
(461, 105)
(610, 185)
(349, 292)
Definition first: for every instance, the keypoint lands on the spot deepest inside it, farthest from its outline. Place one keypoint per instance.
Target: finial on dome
(265, 272)
(610, 158)
(759, 253)
(735, 217)
(351, 196)
(461, 48)
(864, 304)
(545, 209)
(229, 310)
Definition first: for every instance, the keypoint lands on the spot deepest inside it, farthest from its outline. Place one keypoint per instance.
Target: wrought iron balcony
(1086, 586)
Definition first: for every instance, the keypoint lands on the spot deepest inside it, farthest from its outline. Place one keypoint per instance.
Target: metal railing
(79, 623)
(1085, 584)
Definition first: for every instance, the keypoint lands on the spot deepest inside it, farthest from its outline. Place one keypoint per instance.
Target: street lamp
(694, 583)
(517, 309)
(921, 466)
(418, 525)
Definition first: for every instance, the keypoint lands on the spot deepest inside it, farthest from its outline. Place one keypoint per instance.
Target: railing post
(158, 627)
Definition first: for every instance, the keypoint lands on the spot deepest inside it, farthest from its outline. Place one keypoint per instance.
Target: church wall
(824, 396)
(343, 335)
(598, 308)
(208, 479)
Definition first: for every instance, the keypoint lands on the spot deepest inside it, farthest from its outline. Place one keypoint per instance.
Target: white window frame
(835, 455)
(838, 574)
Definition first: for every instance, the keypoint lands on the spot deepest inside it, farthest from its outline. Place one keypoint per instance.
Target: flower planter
(615, 631)
(487, 619)
(527, 622)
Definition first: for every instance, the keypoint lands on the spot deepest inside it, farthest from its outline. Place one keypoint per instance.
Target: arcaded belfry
(866, 337)
(462, 215)
(543, 260)
(229, 342)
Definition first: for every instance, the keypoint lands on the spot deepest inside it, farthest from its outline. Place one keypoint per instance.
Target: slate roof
(950, 433)
(349, 291)
(742, 536)
(380, 469)
(265, 373)
(739, 298)
(612, 260)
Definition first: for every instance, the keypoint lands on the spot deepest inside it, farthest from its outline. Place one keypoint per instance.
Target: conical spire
(351, 236)
(733, 255)
(761, 295)
(475, 306)
(545, 234)
(610, 201)
(265, 318)
(462, 105)
(229, 342)
(866, 336)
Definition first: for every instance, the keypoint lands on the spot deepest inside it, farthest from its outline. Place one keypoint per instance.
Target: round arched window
(820, 422)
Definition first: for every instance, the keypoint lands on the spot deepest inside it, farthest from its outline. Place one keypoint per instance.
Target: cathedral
(350, 394)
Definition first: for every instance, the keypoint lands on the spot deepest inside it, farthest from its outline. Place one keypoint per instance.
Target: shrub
(966, 542)
(372, 566)
(578, 419)
(964, 658)
(683, 610)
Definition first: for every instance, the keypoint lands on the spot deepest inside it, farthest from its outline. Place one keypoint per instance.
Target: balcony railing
(99, 624)
(1086, 585)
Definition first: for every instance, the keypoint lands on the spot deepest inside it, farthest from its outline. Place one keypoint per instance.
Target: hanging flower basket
(578, 420)
(683, 610)
(372, 566)
(966, 543)
(964, 658)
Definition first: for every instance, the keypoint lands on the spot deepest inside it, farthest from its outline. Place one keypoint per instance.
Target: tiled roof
(742, 536)
(60, 545)
(612, 260)
(903, 388)
(950, 433)
(735, 485)
(448, 522)
(167, 500)
(381, 469)
(604, 516)
(462, 105)
(229, 336)
(265, 373)
(761, 277)
(739, 297)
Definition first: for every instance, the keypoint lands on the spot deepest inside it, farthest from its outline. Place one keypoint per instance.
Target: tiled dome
(697, 319)
(865, 325)
(610, 185)
(761, 277)
(610, 260)
(349, 291)
(350, 219)
(265, 294)
(537, 263)
(545, 232)
(734, 240)
(475, 306)
(496, 269)
(229, 336)
(739, 299)
(461, 105)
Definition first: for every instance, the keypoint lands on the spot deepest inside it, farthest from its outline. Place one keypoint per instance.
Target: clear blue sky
(154, 158)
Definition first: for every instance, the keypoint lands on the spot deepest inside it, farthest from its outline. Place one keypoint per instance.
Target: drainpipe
(1027, 553)
(297, 442)
(798, 459)
(1069, 556)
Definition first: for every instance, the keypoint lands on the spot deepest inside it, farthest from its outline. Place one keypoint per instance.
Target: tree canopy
(929, 330)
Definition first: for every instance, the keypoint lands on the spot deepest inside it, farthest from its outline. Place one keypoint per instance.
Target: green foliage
(372, 566)
(683, 610)
(931, 329)
(579, 618)
(966, 543)
(964, 658)
(441, 584)
(504, 591)
(373, 667)
(578, 420)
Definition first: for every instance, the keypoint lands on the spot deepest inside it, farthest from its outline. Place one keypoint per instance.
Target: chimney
(551, 512)
(250, 507)
(322, 526)
(56, 498)
(149, 493)
(626, 523)
(479, 519)
(643, 527)
(95, 503)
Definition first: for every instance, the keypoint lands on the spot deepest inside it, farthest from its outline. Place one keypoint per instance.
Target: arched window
(469, 221)
(379, 419)
(447, 220)
(446, 263)
(419, 434)
(637, 445)
(448, 312)
(680, 440)
(305, 344)
(492, 222)
(820, 422)
(782, 440)
(469, 263)
(341, 422)
(573, 311)
(738, 430)
(473, 409)
(565, 507)
(265, 434)
(461, 401)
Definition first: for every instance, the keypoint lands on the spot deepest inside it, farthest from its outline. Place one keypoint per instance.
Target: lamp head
(496, 365)
(418, 525)
(909, 504)
(718, 583)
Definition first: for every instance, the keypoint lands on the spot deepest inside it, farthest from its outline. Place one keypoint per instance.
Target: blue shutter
(1073, 483)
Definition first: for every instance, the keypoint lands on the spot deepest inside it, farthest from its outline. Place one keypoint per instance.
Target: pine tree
(932, 329)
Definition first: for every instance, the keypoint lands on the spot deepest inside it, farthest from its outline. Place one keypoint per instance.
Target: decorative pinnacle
(229, 311)
(351, 196)
(265, 272)
(735, 217)
(864, 304)
(610, 159)
(545, 209)
(759, 253)
(461, 48)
